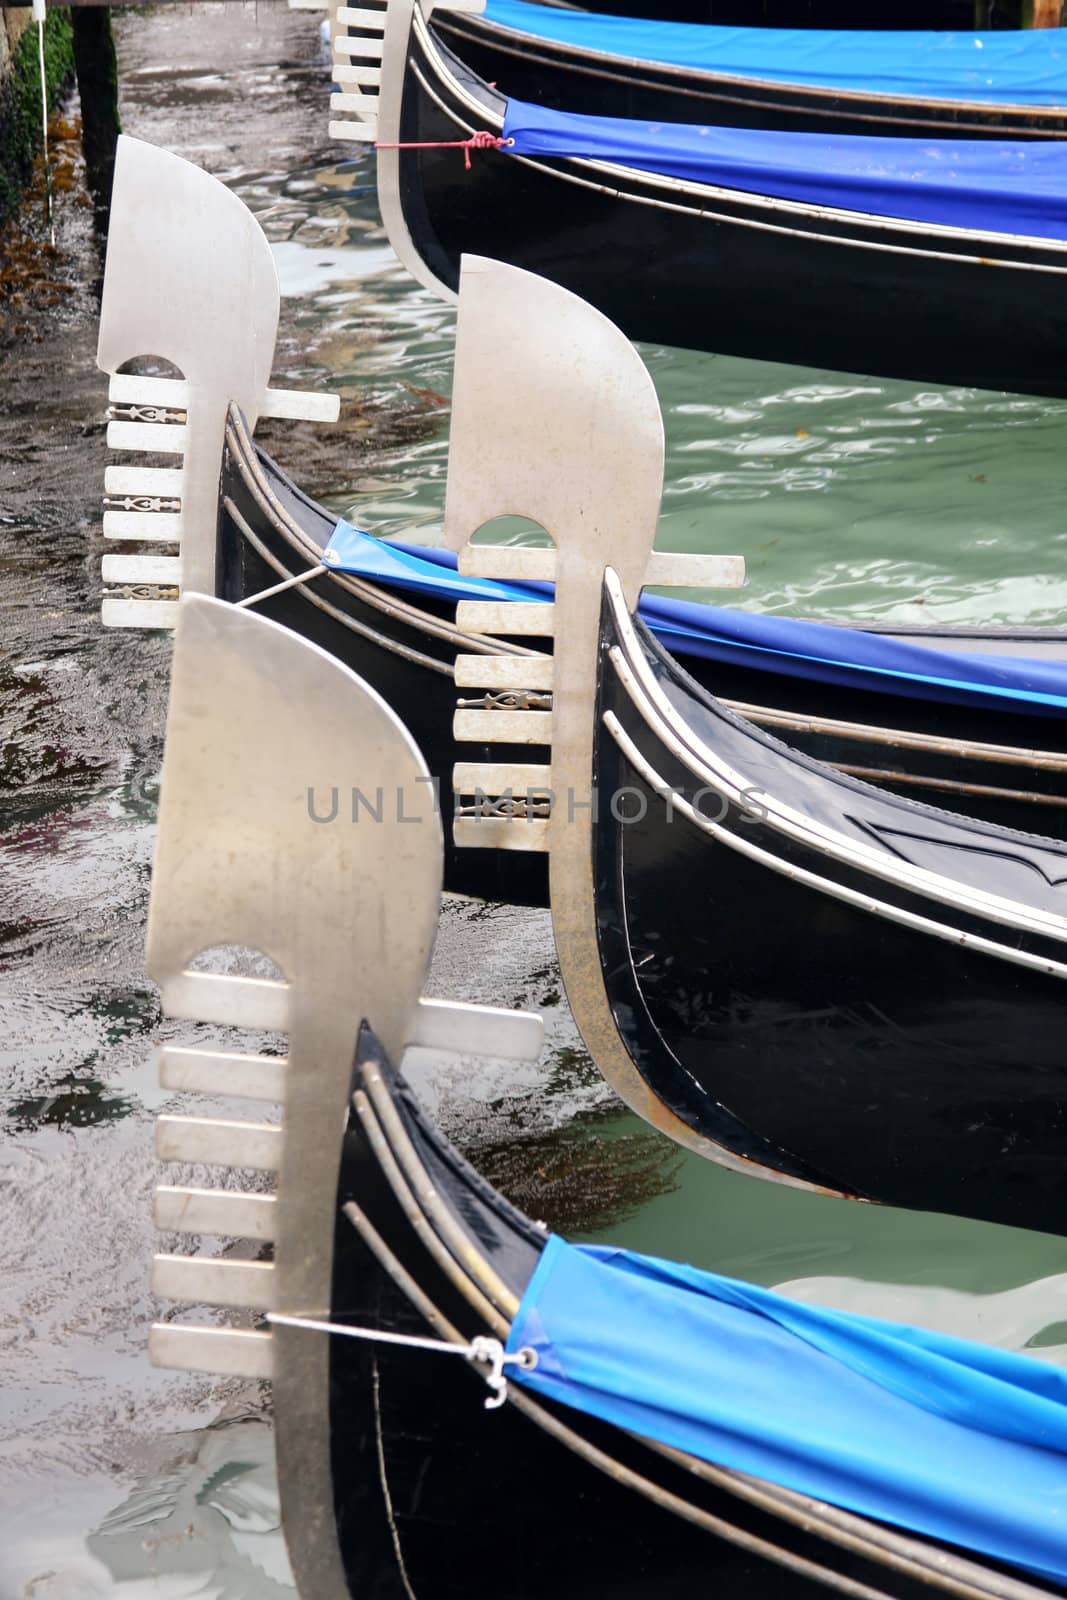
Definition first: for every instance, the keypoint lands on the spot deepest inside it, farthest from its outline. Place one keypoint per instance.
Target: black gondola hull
(269, 530)
(546, 72)
(861, 1026)
(718, 270)
(434, 1495)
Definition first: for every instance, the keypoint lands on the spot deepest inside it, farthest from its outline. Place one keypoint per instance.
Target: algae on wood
(20, 102)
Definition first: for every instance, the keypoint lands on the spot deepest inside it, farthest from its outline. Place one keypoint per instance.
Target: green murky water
(849, 496)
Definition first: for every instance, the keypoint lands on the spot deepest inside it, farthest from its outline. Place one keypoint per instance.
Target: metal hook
(486, 1351)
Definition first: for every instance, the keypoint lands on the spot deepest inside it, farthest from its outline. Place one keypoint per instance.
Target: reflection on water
(847, 496)
(868, 1258)
(1015, 1319)
(210, 1525)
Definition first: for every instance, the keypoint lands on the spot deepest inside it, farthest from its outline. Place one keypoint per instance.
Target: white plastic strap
(39, 13)
(483, 1351)
(290, 583)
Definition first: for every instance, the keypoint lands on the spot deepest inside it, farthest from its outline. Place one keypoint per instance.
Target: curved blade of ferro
(273, 748)
(270, 745)
(189, 277)
(296, 817)
(555, 418)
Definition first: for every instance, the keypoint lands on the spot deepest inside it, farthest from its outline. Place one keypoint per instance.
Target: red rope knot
(482, 140)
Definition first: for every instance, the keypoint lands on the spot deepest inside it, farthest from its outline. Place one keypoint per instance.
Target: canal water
(848, 497)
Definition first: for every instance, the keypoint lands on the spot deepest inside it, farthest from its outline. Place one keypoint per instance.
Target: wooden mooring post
(97, 72)
(96, 69)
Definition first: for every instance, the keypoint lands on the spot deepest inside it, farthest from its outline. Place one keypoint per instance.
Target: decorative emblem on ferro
(508, 700)
(142, 502)
(145, 413)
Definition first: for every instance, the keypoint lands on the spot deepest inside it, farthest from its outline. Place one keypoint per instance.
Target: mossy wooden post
(98, 88)
(20, 93)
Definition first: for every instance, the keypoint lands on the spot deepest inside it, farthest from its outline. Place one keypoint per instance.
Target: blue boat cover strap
(816, 651)
(426, 571)
(1024, 68)
(1002, 186)
(955, 1441)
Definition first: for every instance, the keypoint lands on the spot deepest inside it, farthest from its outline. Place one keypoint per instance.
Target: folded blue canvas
(994, 186)
(816, 651)
(1009, 68)
(953, 1440)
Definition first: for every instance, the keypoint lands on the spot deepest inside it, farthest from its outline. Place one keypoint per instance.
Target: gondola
(970, 718)
(822, 250)
(735, 75)
(402, 1292)
(993, 757)
(978, 1135)
(777, 963)
(776, 939)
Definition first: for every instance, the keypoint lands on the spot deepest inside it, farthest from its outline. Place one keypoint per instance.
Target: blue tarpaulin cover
(1009, 68)
(817, 651)
(958, 1441)
(992, 185)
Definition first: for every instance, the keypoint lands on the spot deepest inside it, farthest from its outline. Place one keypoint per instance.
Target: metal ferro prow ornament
(347, 911)
(189, 278)
(369, 49)
(555, 418)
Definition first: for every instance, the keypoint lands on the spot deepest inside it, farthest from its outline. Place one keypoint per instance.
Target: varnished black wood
(714, 269)
(912, 1068)
(435, 1496)
(550, 73)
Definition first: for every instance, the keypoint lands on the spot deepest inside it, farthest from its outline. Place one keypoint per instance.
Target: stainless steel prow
(370, 66)
(189, 278)
(297, 818)
(555, 418)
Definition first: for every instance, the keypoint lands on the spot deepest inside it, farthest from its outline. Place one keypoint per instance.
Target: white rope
(39, 14)
(290, 583)
(483, 1350)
